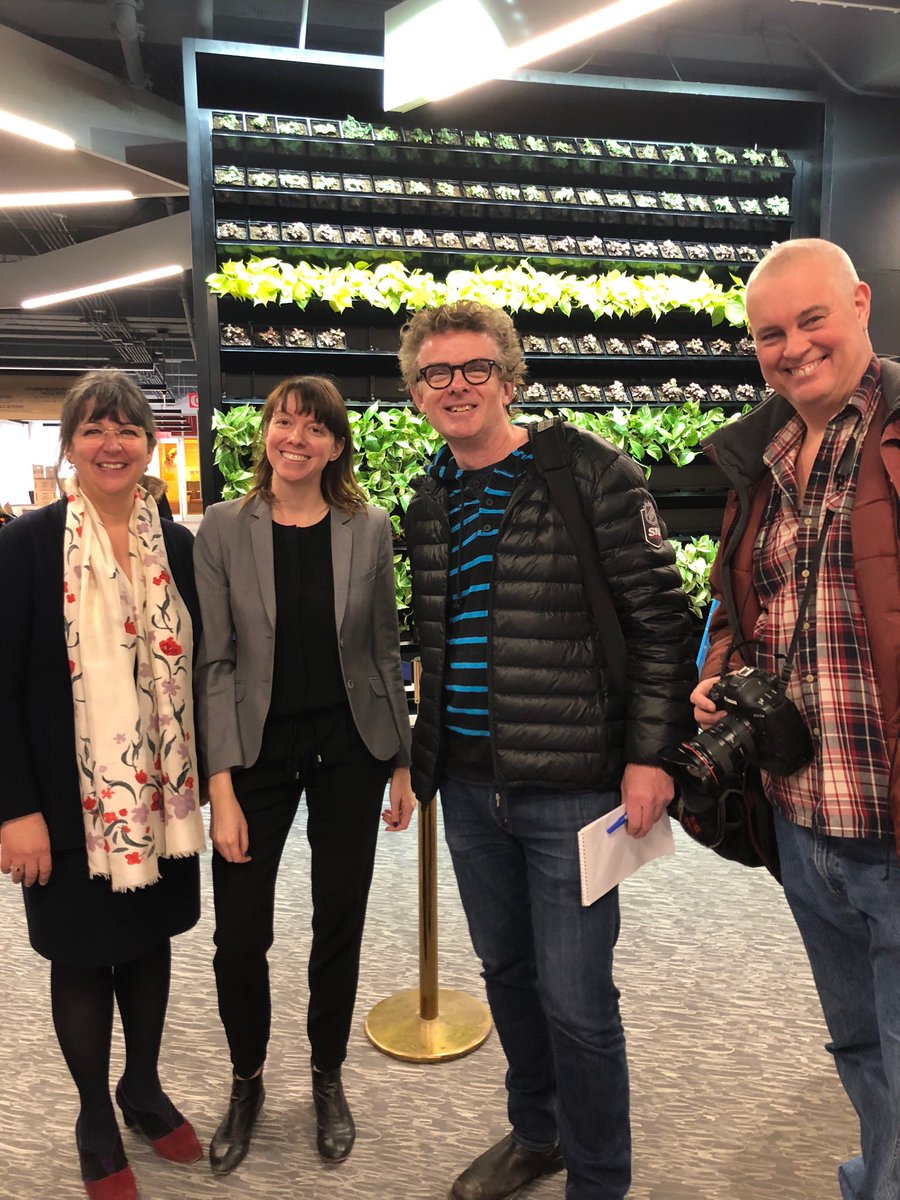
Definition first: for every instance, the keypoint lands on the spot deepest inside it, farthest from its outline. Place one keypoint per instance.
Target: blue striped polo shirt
(477, 501)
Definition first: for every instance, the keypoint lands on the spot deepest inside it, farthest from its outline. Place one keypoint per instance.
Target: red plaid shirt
(844, 790)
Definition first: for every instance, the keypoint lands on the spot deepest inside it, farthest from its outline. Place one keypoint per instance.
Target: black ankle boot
(335, 1131)
(231, 1141)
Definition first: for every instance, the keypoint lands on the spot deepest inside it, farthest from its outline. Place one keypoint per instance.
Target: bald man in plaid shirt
(827, 442)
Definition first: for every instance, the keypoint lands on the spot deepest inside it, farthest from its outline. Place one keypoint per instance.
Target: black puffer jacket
(552, 718)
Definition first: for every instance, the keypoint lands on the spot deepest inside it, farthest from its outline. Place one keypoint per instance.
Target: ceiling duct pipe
(130, 33)
(786, 31)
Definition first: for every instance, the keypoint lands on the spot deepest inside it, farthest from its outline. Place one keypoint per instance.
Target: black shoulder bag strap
(548, 445)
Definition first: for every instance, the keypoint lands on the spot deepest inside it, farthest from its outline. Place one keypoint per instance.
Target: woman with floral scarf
(99, 816)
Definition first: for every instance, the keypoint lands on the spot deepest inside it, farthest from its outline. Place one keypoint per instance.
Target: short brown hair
(104, 395)
(463, 316)
(316, 396)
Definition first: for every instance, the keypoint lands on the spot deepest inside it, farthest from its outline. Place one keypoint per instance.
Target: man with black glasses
(523, 733)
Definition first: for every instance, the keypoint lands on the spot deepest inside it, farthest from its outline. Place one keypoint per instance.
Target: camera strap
(551, 457)
(842, 475)
(808, 592)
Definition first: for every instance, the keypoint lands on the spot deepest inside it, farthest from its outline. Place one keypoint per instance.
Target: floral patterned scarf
(130, 649)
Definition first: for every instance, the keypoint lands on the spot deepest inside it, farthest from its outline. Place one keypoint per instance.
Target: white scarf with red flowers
(130, 650)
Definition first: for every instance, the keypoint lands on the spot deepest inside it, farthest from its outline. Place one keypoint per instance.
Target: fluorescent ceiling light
(41, 199)
(106, 285)
(436, 48)
(611, 16)
(10, 123)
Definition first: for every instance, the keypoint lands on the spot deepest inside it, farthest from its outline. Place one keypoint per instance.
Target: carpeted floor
(734, 1097)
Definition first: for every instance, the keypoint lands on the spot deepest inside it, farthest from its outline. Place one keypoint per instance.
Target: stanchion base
(395, 1027)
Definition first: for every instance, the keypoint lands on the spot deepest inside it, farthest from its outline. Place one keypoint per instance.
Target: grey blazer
(235, 571)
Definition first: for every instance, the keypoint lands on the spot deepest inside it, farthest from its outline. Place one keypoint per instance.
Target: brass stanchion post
(428, 1023)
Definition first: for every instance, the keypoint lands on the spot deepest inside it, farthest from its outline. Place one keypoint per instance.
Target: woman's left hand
(403, 802)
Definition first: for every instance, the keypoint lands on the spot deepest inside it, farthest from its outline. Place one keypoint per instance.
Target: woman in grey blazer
(299, 689)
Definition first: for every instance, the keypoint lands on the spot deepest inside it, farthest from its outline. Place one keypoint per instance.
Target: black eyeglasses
(440, 375)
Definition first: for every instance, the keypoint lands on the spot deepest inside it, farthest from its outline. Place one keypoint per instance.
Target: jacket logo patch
(650, 521)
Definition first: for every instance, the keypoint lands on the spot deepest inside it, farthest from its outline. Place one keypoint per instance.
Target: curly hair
(316, 396)
(463, 316)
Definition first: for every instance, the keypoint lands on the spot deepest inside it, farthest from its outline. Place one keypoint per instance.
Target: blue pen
(618, 823)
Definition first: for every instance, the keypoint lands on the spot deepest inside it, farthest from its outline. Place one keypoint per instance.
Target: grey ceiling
(849, 46)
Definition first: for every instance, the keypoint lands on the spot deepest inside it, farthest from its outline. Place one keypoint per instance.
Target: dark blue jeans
(845, 897)
(547, 966)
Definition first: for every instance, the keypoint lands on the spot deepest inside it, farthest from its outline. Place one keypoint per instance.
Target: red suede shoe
(106, 1177)
(169, 1134)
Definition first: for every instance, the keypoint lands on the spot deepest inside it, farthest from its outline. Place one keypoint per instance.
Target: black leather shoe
(335, 1131)
(503, 1169)
(231, 1141)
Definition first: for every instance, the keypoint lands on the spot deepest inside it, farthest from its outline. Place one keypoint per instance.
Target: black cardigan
(38, 771)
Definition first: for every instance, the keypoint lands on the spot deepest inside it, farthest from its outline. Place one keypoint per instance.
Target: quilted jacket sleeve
(646, 589)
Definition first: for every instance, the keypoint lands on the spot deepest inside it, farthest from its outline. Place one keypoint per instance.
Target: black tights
(82, 1005)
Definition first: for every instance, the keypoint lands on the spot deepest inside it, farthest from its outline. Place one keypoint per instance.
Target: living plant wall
(394, 445)
(622, 258)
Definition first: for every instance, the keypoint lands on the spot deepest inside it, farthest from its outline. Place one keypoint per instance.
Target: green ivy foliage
(234, 443)
(694, 559)
(392, 286)
(394, 445)
(673, 431)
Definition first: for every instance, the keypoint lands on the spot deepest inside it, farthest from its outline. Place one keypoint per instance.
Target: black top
(307, 672)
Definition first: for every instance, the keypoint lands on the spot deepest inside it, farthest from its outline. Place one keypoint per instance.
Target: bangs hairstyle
(106, 395)
(314, 396)
(464, 316)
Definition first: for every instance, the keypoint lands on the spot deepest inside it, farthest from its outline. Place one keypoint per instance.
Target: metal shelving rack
(273, 170)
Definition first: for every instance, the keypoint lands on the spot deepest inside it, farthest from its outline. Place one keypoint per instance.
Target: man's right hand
(705, 711)
(227, 823)
(25, 849)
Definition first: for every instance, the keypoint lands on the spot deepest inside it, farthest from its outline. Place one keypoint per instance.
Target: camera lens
(712, 759)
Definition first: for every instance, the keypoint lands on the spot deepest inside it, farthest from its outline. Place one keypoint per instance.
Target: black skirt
(81, 922)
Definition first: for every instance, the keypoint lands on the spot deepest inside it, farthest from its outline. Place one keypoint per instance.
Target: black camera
(763, 727)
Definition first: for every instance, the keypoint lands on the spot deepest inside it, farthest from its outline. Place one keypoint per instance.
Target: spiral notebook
(608, 858)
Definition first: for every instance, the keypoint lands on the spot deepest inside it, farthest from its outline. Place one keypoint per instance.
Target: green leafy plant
(395, 444)
(234, 439)
(778, 206)
(403, 590)
(521, 287)
(351, 128)
(651, 434)
(694, 558)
